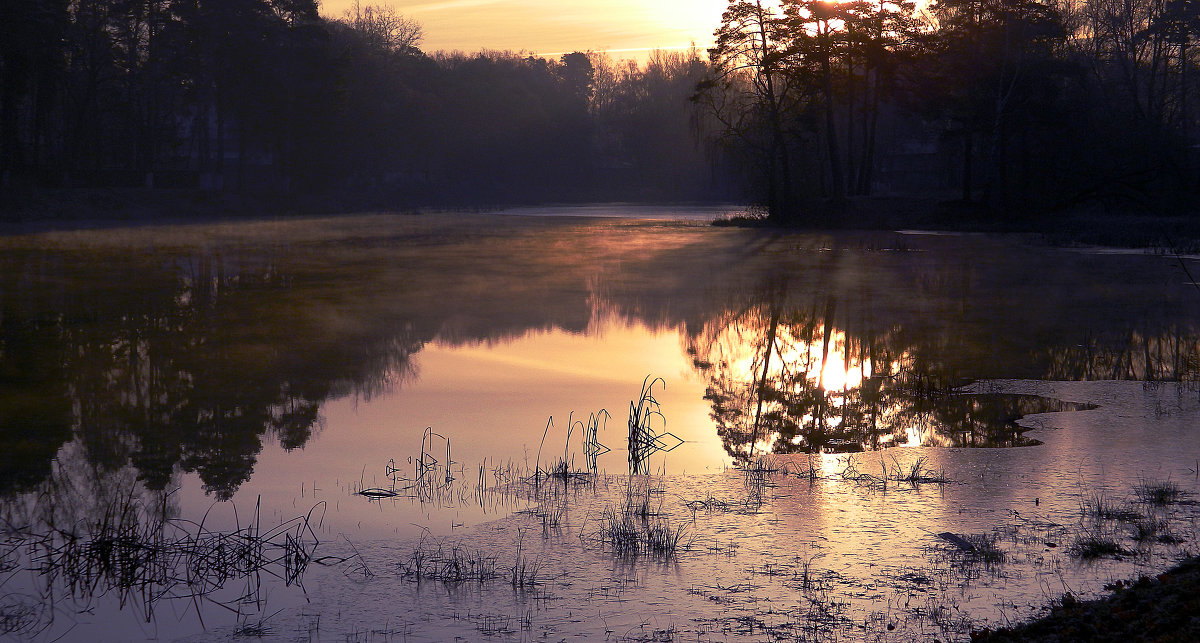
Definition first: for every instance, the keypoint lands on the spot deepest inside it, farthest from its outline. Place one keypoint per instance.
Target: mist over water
(224, 375)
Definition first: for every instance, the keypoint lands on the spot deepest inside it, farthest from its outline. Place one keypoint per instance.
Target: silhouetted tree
(751, 96)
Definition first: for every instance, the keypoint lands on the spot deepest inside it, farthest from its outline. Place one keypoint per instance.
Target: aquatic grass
(850, 473)
(23, 616)
(914, 474)
(917, 473)
(986, 548)
(644, 441)
(453, 566)
(806, 575)
(592, 448)
(1095, 541)
(432, 477)
(643, 496)
(553, 514)
(524, 572)
(1158, 493)
(564, 469)
(431, 560)
(638, 525)
(626, 534)
(138, 554)
(1099, 505)
(494, 624)
(1153, 529)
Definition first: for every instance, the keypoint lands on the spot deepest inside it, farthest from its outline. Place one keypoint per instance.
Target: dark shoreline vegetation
(1012, 115)
(100, 208)
(1163, 608)
(131, 360)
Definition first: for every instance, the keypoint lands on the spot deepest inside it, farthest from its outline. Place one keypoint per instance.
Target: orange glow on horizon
(633, 27)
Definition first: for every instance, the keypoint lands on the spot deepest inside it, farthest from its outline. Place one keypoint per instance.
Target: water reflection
(167, 364)
(188, 356)
(786, 378)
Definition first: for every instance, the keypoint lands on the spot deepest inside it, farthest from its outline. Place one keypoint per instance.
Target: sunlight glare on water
(382, 386)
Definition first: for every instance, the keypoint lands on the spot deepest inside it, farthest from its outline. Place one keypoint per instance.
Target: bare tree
(382, 26)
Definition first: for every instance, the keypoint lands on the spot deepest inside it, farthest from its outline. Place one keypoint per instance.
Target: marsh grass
(626, 534)
(644, 440)
(1095, 541)
(1154, 529)
(914, 474)
(564, 469)
(1098, 505)
(432, 476)
(453, 565)
(134, 551)
(1158, 493)
(639, 526)
(917, 472)
(987, 549)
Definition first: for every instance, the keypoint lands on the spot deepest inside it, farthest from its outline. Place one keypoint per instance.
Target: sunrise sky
(624, 28)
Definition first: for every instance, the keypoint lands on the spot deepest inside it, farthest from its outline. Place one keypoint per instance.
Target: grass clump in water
(136, 550)
(630, 535)
(1098, 505)
(1159, 493)
(638, 527)
(1154, 530)
(459, 566)
(1093, 544)
(917, 473)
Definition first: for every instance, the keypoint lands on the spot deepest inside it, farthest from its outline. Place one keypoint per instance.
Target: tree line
(268, 95)
(1019, 105)
(801, 105)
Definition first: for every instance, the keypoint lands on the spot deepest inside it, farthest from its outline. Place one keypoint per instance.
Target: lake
(592, 423)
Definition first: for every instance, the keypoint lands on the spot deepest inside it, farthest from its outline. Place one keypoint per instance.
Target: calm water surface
(189, 416)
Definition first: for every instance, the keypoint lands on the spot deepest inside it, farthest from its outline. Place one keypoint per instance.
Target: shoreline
(51, 210)
(1163, 608)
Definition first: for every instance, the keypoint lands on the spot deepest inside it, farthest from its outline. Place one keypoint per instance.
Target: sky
(624, 28)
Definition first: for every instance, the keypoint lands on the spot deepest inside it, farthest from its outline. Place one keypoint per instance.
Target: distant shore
(85, 208)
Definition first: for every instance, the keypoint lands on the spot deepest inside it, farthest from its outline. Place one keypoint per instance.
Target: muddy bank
(1163, 608)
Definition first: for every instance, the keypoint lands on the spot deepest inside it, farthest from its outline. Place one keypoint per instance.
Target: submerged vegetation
(134, 550)
(194, 381)
(628, 527)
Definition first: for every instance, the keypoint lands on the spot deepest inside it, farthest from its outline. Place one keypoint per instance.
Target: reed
(1095, 542)
(1158, 493)
(627, 534)
(138, 554)
(1099, 505)
(644, 440)
(917, 473)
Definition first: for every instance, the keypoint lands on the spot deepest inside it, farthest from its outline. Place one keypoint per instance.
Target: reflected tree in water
(785, 377)
(191, 371)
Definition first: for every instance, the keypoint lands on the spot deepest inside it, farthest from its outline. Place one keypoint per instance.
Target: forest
(1007, 106)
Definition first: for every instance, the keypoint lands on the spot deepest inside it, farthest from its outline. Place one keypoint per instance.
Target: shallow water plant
(644, 439)
(917, 472)
(1093, 544)
(627, 534)
(136, 552)
(987, 548)
(1159, 493)
(1098, 505)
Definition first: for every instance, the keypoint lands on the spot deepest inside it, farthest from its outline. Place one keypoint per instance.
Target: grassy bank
(1165, 608)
